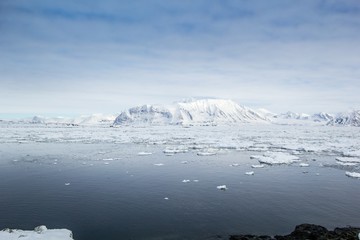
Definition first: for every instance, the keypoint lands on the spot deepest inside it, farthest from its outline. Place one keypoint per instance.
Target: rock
(309, 232)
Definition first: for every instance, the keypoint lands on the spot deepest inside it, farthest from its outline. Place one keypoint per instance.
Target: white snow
(39, 233)
(222, 187)
(353, 174)
(249, 173)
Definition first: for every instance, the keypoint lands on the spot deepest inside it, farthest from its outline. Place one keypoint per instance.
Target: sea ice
(67, 184)
(222, 187)
(249, 173)
(166, 198)
(258, 166)
(352, 154)
(234, 165)
(346, 163)
(108, 159)
(144, 153)
(275, 158)
(353, 174)
(158, 164)
(185, 180)
(206, 153)
(184, 162)
(39, 233)
(304, 165)
(348, 159)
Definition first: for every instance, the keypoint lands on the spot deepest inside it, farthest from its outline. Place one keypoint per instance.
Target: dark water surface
(125, 198)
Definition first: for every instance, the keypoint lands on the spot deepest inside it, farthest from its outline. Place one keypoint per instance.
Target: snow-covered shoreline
(39, 233)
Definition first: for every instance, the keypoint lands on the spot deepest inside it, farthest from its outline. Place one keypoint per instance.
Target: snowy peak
(203, 111)
(347, 119)
(148, 114)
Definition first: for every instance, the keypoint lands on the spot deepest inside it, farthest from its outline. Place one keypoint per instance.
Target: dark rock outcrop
(309, 232)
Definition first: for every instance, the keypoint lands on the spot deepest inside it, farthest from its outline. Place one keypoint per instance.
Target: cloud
(301, 56)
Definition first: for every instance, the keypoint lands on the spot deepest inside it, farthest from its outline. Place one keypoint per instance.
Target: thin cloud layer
(90, 56)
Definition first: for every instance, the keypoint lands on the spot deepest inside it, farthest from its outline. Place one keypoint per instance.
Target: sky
(86, 56)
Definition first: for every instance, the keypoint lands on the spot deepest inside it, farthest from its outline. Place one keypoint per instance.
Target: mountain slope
(347, 119)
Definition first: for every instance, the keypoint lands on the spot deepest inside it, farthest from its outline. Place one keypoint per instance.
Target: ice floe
(257, 165)
(347, 163)
(353, 174)
(352, 154)
(158, 164)
(39, 233)
(166, 198)
(210, 153)
(144, 153)
(108, 159)
(186, 181)
(304, 165)
(222, 187)
(275, 158)
(249, 173)
(348, 159)
(67, 184)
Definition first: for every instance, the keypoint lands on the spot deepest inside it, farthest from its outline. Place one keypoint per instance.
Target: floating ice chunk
(275, 158)
(67, 184)
(348, 159)
(234, 165)
(106, 163)
(249, 173)
(158, 164)
(39, 233)
(108, 159)
(144, 153)
(304, 165)
(353, 174)
(222, 187)
(184, 162)
(166, 198)
(169, 154)
(206, 153)
(258, 166)
(185, 180)
(175, 150)
(346, 163)
(195, 180)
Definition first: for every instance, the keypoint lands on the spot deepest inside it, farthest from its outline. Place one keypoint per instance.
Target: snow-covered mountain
(293, 115)
(322, 117)
(81, 120)
(198, 112)
(351, 118)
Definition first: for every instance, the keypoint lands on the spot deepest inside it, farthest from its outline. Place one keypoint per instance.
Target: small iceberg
(108, 159)
(166, 198)
(304, 165)
(249, 173)
(158, 164)
(222, 187)
(184, 162)
(234, 165)
(144, 153)
(185, 180)
(353, 174)
(67, 184)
